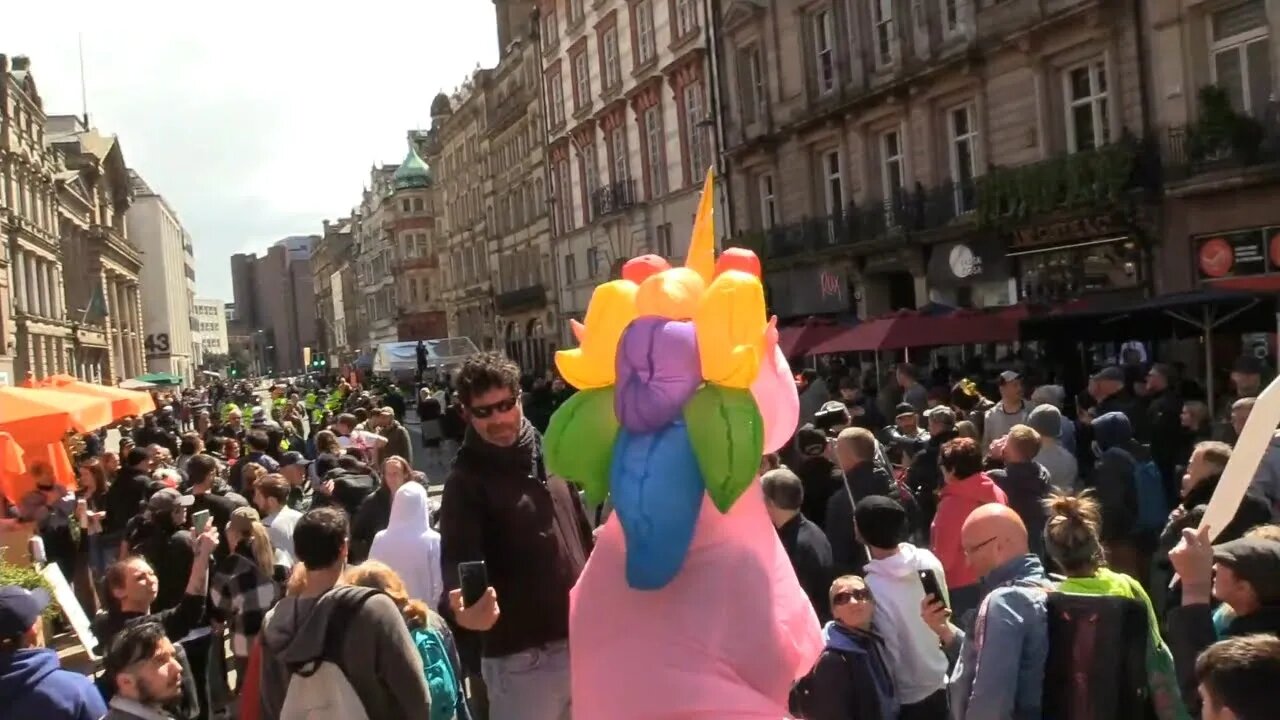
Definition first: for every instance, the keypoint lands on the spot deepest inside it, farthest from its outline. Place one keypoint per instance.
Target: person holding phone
(900, 576)
(532, 532)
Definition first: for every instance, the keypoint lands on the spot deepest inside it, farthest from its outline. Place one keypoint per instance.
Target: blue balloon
(656, 488)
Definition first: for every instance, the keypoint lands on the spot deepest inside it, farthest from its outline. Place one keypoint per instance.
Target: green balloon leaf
(727, 434)
(579, 441)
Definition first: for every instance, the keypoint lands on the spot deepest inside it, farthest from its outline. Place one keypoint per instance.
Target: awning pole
(1208, 359)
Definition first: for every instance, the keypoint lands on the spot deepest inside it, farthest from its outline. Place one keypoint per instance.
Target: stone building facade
(419, 306)
(524, 298)
(168, 277)
(101, 264)
(887, 154)
(628, 92)
(375, 259)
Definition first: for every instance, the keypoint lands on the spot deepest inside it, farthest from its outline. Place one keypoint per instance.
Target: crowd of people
(1025, 556)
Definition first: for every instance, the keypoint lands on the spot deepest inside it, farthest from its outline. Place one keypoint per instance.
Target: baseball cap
(167, 500)
(19, 609)
(810, 440)
(1009, 376)
(903, 409)
(1112, 373)
(292, 458)
(1256, 561)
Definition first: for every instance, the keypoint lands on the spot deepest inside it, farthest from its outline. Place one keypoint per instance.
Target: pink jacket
(957, 501)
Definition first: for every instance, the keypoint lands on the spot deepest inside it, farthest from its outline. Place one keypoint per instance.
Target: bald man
(1002, 649)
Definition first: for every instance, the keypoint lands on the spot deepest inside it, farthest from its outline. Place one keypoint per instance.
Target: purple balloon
(658, 371)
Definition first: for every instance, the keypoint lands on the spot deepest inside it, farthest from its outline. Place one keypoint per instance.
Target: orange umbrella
(123, 402)
(34, 416)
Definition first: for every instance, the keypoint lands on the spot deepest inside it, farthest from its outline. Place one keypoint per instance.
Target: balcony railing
(613, 198)
(1102, 178)
(533, 297)
(1188, 152)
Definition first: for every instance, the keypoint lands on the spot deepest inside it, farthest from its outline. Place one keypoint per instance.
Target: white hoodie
(409, 545)
(916, 660)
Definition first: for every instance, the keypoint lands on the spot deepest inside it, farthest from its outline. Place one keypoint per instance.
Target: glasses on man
(844, 597)
(484, 411)
(975, 548)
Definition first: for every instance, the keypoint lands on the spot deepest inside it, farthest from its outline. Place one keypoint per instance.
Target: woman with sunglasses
(851, 680)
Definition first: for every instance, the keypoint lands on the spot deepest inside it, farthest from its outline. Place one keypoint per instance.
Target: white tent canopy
(396, 357)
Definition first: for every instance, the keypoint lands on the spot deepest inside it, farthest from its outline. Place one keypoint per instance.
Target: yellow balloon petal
(611, 310)
(702, 244)
(731, 326)
(673, 294)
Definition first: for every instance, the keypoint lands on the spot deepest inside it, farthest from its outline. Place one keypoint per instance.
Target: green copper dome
(412, 173)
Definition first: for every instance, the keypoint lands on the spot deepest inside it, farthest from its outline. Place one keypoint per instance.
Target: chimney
(21, 62)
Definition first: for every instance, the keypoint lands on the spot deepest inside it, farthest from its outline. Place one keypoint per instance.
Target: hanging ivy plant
(1091, 178)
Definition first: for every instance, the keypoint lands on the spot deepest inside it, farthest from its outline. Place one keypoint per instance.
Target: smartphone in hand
(473, 580)
(929, 581)
(199, 521)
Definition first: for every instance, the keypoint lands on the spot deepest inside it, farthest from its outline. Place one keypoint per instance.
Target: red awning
(795, 340)
(910, 329)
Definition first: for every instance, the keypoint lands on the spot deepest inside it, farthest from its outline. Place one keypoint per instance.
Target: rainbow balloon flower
(682, 388)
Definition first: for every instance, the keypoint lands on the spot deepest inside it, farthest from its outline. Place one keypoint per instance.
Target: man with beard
(530, 528)
(143, 668)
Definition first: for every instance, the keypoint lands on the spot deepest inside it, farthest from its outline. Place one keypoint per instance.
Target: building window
(697, 136)
(555, 89)
(581, 80)
(405, 205)
(593, 262)
(1240, 47)
(653, 142)
(882, 17)
(950, 15)
(618, 146)
(751, 83)
(550, 30)
(663, 233)
(833, 184)
(686, 17)
(570, 269)
(768, 203)
(824, 42)
(893, 172)
(576, 11)
(590, 178)
(964, 144)
(1088, 112)
(419, 205)
(611, 69)
(642, 15)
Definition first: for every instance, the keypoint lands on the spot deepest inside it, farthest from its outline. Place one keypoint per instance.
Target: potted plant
(1221, 131)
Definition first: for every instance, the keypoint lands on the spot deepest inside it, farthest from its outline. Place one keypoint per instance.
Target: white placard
(1252, 444)
(71, 609)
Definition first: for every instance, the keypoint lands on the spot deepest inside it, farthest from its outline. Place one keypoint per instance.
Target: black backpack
(1097, 664)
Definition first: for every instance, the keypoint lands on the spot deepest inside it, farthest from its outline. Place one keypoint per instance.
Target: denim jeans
(529, 685)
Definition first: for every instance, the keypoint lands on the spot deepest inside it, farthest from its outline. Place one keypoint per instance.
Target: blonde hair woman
(440, 664)
(1072, 541)
(245, 585)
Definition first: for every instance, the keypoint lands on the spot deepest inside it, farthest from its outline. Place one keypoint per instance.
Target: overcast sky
(259, 119)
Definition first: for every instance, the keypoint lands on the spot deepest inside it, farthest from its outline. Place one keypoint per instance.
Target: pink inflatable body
(724, 640)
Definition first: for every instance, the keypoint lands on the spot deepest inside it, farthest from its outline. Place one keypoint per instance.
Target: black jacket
(810, 555)
(124, 498)
(1191, 630)
(848, 555)
(1026, 485)
(924, 479)
(821, 479)
(1113, 481)
(529, 527)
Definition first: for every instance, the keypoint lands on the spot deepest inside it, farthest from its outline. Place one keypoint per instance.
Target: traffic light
(233, 370)
(318, 361)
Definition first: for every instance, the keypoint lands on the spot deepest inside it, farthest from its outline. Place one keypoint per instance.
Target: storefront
(970, 274)
(1239, 259)
(1078, 256)
(808, 290)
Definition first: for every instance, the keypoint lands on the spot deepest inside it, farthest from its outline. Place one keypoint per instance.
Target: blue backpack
(1148, 484)
(437, 666)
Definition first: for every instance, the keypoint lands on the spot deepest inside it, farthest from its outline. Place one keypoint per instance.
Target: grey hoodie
(378, 655)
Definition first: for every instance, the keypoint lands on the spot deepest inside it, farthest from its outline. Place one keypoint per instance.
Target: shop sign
(1046, 236)
(807, 291)
(1237, 254)
(888, 262)
(958, 264)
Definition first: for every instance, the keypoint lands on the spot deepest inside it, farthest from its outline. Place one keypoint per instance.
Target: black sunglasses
(502, 406)
(846, 596)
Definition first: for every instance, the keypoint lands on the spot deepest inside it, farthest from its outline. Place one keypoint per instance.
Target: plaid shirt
(242, 595)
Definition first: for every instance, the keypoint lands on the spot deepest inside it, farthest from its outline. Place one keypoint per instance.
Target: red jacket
(957, 500)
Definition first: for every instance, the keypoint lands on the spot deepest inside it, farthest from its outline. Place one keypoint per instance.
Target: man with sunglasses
(501, 507)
